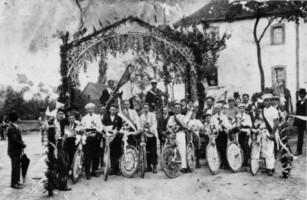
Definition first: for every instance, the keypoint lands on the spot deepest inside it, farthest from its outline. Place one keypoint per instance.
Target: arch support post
(193, 83)
(64, 89)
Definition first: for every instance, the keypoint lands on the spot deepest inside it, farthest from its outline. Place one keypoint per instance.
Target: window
(278, 74)
(89, 97)
(278, 34)
(212, 79)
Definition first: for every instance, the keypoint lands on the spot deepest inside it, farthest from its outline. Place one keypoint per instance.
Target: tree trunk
(262, 80)
(257, 41)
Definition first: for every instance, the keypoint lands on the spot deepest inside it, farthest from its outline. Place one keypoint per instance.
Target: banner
(200, 28)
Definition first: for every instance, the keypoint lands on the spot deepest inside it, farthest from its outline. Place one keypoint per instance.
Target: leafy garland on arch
(192, 50)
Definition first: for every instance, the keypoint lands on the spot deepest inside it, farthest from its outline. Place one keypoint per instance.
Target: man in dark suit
(162, 125)
(184, 108)
(112, 119)
(15, 148)
(300, 124)
(153, 96)
(107, 93)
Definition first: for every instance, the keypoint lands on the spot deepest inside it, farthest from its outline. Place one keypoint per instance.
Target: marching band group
(223, 116)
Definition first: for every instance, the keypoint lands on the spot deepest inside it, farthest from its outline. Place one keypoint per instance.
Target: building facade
(284, 57)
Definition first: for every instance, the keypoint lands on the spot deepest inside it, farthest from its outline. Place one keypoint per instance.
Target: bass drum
(171, 161)
(234, 155)
(77, 165)
(255, 158)
(213, 158)
(191, 159)
(129, 162)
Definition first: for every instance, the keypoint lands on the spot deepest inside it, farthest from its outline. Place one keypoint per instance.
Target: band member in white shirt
(270, 117)
(196, 125)
(149, 125)
(221, 121)
(244, 122)
(70, 136)
(91, 122)
(180, 122)
(131, 114)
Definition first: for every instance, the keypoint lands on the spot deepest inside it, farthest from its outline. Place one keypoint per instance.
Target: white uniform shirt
(246, 119)
(183, 119)
(133, 115)
(196, 125)
(92, 121)
(270, 114)
(223, 117)
(151, 119)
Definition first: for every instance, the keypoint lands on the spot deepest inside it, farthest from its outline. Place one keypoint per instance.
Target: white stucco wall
(303, 54)
(238, 67)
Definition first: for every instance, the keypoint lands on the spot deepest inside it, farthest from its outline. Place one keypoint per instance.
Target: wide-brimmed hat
(221, 101)
(89, 105)
(210, 97)
(267, 96)
(230, 99)
(153, 81)
(241, 105)
(302, 91)
(219, 105)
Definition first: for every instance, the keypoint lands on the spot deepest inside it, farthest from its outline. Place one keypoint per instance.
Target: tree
(271, 10)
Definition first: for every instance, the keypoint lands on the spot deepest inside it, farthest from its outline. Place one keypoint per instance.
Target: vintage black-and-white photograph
(153, 99)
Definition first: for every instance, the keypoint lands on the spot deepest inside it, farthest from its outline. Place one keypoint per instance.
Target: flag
(200, 28)
(190, 29)
(58, 105)
(185, 31)
(47, 111)
(126, 89)
(178, 29)
(124, 79)
(52, 113)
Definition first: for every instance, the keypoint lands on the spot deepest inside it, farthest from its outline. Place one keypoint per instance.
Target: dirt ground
(198, 185)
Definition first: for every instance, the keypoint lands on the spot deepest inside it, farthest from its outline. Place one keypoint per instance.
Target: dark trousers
(91, 154)
(204, 140)
(221, 144)
(15, 176)
(196, 141)
(70, 147)
(243, 141)
(162, 140)
(63, 168)
(2, 132)
(151, 148)
(115, 152)
(300, 138)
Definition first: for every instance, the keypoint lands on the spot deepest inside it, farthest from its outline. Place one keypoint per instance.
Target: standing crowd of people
(224, 116)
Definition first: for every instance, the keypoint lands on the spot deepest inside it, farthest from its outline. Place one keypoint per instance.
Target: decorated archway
(121, 37)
